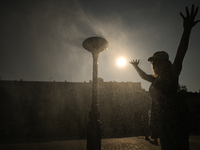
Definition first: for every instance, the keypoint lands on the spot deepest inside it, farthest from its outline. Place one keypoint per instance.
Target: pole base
(94, 135)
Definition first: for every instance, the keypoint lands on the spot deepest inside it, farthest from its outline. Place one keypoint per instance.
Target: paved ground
(130, 143)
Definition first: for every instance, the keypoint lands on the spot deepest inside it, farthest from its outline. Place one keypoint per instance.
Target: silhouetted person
(171, 128)
(148, 127)
(153, 123)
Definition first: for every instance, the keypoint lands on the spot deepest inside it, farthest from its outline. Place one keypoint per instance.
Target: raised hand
(189, 20)
(135, 62)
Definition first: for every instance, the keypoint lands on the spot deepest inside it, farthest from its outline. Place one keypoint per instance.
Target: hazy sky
(42, 40)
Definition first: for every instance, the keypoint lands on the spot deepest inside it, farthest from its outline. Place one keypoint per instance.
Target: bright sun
(121, 62)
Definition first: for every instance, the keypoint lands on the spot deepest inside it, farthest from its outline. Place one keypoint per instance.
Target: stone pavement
(134, 143)
(129, 143)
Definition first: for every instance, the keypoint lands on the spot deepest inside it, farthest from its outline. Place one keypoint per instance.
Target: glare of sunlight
(121, 62)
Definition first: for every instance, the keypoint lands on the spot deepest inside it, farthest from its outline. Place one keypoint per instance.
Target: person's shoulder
(175, 71)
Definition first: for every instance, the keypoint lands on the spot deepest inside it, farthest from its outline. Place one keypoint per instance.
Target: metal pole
(95, 77)
(94, 125)
(95, 45)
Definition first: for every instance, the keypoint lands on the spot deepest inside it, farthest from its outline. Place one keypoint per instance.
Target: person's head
(160, 63)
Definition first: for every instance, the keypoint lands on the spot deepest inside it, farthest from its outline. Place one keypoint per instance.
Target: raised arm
(142, 74)
(188, 23)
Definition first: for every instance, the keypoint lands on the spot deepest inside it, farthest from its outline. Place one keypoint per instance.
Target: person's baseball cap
(159, 55)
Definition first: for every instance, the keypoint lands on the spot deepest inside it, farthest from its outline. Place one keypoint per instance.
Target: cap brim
(151, 58)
